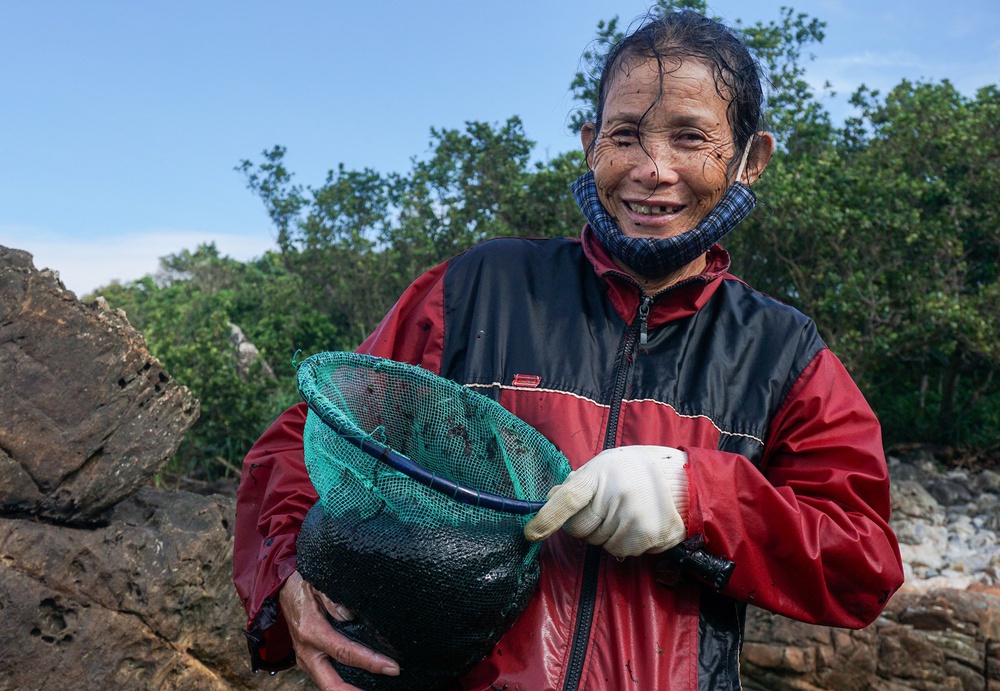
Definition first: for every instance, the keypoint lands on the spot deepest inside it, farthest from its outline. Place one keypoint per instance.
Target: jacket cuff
(268, 640)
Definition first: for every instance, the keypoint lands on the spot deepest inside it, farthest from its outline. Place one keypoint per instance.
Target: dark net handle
(712, 569)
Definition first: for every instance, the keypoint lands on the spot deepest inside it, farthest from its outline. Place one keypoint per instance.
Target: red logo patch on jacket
(526, 381)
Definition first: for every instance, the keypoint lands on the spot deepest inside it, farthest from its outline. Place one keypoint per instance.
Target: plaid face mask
(659, 257)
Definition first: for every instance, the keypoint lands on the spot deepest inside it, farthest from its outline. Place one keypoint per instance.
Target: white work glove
(632, 500)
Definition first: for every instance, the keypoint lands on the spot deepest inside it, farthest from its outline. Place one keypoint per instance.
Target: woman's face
(659, 177)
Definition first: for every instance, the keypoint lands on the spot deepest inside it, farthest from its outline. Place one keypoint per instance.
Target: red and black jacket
(786, 470)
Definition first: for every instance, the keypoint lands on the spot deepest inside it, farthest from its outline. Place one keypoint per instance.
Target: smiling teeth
(650, 210)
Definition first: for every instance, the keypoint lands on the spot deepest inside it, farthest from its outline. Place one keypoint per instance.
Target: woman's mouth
(652, 209)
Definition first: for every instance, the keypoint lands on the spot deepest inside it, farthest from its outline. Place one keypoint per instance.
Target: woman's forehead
(636, 71)
(649, 86)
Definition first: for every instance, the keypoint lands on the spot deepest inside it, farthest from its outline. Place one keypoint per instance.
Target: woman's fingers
(315, 641)
(337, 611)
(564, 501)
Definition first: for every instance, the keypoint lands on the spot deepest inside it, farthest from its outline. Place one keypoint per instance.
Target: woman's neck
(652, 286)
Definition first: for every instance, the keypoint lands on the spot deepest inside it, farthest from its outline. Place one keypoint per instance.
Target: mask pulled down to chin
(656, 258)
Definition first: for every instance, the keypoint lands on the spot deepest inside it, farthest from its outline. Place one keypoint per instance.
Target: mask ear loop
(743, 162)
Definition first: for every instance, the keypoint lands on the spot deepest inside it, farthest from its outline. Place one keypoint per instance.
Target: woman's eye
(690, 137)
(625, 137)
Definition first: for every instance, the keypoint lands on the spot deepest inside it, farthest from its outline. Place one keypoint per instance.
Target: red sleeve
(809, 530)
(275, 492)
(273, 498)
(413, 331)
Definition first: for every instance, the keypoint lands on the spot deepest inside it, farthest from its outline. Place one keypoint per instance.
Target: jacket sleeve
(275, 492)
(272, 500)
(808, 531)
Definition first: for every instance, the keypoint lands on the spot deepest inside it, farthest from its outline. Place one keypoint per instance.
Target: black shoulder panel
(534, 307)
(733, 361)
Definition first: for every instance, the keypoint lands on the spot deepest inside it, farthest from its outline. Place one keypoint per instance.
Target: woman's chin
(659, 227)
(655, 232)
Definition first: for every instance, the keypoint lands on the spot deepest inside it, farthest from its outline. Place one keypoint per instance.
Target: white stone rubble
(947, 524)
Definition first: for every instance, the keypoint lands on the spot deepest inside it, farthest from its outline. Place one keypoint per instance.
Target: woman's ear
(760, 156)
(587, 135)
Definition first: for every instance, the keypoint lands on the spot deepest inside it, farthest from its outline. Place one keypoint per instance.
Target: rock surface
(145, 602)
(247, 354)
(89, 416)
(947, 523)
(942, 639)
(104, 581)
(940, 631)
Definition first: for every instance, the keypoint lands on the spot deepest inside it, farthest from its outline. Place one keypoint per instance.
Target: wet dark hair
(688, 34)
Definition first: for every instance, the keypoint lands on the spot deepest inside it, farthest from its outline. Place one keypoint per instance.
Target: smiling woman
(661, 175)
(691, 408)
(677, 104)
(660, 157)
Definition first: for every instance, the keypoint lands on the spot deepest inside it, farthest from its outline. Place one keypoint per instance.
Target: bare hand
(315, 641)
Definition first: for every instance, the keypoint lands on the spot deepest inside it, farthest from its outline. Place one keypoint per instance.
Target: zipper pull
(643, 316)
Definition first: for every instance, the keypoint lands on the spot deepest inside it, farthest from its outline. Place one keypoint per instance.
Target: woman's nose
(656, 166)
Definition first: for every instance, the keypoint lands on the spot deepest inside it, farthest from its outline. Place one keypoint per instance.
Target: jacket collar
(680, 300)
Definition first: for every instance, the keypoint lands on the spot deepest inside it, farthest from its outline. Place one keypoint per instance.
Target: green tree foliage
(885, 231)
(186, 314)
(887, 235)
(362, 237)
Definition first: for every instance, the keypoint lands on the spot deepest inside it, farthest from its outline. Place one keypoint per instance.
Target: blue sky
(121, 122)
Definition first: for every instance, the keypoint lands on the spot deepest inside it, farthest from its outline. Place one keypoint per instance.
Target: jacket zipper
(584, 618)
(636, 331)
(643, 318)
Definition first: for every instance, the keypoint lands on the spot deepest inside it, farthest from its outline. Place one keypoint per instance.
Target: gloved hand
(632, 500)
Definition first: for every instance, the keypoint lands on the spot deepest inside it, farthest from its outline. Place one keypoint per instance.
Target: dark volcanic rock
(89, 415)
(144, 603)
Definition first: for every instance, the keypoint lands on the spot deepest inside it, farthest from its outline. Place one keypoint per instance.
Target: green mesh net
(433, 582)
